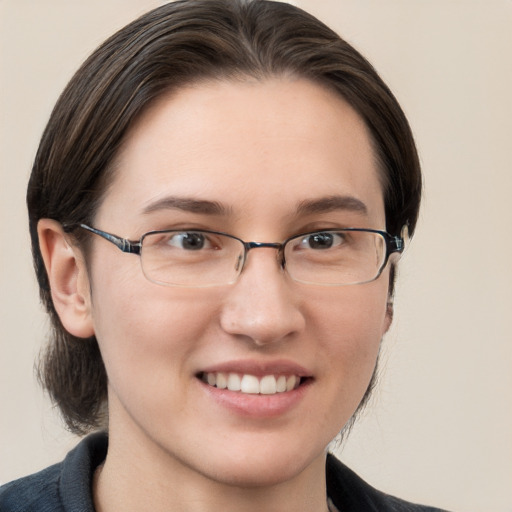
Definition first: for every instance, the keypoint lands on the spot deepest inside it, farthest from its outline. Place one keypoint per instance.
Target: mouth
(260, 390)
(246, 383)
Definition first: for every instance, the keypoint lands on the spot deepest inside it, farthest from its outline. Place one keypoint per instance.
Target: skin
(260, 149)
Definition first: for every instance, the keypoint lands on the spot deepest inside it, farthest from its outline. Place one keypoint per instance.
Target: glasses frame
(394, 244)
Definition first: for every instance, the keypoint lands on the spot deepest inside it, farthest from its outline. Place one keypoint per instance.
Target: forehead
(248, 145)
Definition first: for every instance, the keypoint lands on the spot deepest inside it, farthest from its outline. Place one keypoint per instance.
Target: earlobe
(67, 274)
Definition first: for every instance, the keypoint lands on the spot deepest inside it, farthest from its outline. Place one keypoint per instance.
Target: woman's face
(258, 151)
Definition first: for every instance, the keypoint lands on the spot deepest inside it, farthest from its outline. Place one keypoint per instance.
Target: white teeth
(267, 385)
(281, 384)
(290, 382)
(250, 384)
(222, 380)
(233, 382)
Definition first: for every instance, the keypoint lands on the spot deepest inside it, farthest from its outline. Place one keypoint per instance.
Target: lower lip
(258, 406)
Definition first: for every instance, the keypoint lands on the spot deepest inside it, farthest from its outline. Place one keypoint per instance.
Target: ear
(69, 282)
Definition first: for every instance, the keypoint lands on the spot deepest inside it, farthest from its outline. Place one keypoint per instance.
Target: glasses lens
(191, 258)
(338, 257)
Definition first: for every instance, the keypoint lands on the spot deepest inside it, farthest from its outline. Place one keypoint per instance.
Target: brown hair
(173, 45)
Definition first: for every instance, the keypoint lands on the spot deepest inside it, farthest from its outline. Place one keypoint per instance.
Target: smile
(250, 384)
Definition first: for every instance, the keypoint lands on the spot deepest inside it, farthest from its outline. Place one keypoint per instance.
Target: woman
(217, 208)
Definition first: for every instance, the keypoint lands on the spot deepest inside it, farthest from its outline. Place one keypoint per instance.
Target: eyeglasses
(201, 258)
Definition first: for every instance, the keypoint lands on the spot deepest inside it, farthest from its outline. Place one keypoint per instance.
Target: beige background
(439, 429)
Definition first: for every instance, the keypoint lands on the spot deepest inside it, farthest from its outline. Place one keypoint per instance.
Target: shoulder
(351, 493)
(38, 492)
(63, 487)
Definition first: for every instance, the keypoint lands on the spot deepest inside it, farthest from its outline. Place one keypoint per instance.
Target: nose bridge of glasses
(256, 245)
(265, 245)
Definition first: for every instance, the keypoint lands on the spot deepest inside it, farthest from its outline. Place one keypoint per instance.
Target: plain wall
(439, 427)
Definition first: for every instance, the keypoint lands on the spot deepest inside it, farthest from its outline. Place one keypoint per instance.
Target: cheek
(346, 326)
(356, 315)
(350, 323)
(146, 332)
(137, 314)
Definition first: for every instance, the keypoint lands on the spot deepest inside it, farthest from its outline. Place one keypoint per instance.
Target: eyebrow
(306, 207)
(187, 204)
(332, 203)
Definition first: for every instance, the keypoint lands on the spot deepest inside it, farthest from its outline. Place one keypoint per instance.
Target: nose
(261, 305)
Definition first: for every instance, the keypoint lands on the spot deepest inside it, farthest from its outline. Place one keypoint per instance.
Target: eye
(321, 240)
(189, 241)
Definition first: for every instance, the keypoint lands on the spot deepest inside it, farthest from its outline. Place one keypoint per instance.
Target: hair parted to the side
(177, 44)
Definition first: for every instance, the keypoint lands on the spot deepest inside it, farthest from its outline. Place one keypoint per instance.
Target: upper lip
(259, 368)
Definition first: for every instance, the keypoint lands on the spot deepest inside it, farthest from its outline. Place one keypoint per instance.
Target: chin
(266, 475)
(257, 467)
